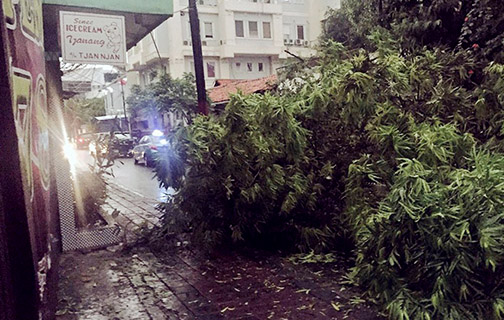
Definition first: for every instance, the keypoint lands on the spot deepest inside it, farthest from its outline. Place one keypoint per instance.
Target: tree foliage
(85, 110)
(165, 95)
(240, 176)
(391, 139)
(451, 24)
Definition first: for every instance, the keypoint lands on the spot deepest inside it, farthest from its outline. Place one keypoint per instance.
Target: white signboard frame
(91, 38)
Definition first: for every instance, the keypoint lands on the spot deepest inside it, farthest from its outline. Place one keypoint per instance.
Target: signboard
(92, 38)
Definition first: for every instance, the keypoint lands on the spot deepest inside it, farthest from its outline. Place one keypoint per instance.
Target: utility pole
(198, 57)
(123, 82)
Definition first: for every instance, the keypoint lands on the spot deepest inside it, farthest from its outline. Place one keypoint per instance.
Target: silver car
(148, 147)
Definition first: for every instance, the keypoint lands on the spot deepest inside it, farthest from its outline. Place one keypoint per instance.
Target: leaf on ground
(227, 309)
(336, 305)
(115, 213)
(356, 300)
(61, 312)
(307, 291)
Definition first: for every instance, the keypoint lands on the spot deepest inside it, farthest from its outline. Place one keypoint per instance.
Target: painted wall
(250, 67)
(30, 114)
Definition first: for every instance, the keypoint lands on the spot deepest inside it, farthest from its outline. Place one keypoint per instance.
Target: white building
(96, 81)
(241, 39)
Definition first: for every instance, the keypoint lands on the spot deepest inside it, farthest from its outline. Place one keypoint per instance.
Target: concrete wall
(174, 39)
(248, 67)
(114, 98)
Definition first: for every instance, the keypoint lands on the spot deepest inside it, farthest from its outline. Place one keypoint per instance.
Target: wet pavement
(131, 211)
(185, 284)
(136, 178)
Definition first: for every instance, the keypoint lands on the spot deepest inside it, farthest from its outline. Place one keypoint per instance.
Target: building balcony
(262, 6)
(212, 3)
(301, 51)
(144, 54)
(134, 57)
(205, 43)
(249, 48)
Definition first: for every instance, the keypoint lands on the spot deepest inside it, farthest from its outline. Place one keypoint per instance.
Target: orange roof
(227, 87)
(221, 82)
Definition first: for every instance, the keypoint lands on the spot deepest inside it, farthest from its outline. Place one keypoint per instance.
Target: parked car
(82, 140)
(148, 147)
(123, 144)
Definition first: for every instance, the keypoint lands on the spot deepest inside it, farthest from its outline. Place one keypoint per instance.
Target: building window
(300, 32)
(109, 77)
(188, 32)
(249, 66)
(253, 30)
(266, 30)
(210, 69)
(260, 66)
(286, 31)
(208, 30)
(239, 28)
(191, 66)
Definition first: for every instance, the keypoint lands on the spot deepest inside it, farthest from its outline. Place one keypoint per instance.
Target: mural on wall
(9, 13)
(32, 20)
(27, 71)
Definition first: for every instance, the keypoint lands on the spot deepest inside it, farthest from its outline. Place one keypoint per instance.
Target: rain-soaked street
(136, 178)
(137, 282)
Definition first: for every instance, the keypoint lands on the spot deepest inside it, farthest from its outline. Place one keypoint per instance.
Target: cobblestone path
(138, 284)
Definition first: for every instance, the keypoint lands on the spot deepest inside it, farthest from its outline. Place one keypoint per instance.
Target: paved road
(136, 178)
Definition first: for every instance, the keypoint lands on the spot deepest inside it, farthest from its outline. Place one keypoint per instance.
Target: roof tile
(227, 87)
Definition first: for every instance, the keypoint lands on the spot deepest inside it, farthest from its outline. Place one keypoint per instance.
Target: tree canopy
(166, 95)
(389, 144)
(85, 110)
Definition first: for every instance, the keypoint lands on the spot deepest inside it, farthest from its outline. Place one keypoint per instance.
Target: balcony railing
(200, 2)
(260, 1)
(207, 2)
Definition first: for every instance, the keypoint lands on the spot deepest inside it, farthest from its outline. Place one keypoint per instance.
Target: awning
(158, 7)
(142, 16)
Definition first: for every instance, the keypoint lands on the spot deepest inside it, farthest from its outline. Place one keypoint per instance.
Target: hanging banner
(92, 38)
